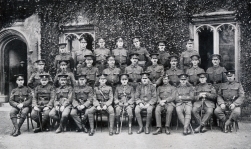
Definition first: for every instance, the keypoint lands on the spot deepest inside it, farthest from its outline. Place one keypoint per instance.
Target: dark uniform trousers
(229, 93)
(208, 103)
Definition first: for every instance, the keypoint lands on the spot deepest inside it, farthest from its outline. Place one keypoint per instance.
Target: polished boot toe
(140, 130)
(158, 131)
(91, 132)
(167, 131)
(36, 130)
(147, 130)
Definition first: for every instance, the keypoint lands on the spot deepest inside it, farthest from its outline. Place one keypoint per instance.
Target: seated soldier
(62, 103)
(44, 95)
(124, 100)
(20, 100)
(90, 71)
(230, 98)
(63, 71)
(205, 96)
(194, 70)
(165, 97)
(174, 71)
(145, 98)
(156, 70)
(102, 100)
(83, 97)
(184, 97)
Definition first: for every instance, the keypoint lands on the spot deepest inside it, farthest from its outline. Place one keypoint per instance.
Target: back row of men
(189, 92)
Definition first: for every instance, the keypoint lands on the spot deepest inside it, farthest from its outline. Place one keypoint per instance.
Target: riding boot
(111, 119)
(130, 125)
(148, 121)
(20, 123)
(186, 126)
(139, 119)
(14, 122)
(91, 121)
(117, 124)
(158, 131)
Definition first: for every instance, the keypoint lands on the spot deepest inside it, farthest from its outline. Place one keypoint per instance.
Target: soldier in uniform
(174, 71)
(184, 97)
(34, 79)
(102, 100)
(63, 71)
(121, 54)
(82, 102)
(42, 102)
(163, 54)
(20, 100)
(145, 98)
(144, 56)
(156, 70)
(112, 72)
(216, 73)
(165, 97)
(194, 70)
(101, 54)
(124, 100)
(63, 55)
(185, 60)
(134, 70)
(62, 103)
(205, 96)
(231, 96)
(80, 55)
(90, 71)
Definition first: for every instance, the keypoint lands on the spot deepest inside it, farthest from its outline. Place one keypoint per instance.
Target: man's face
(111, 62)
(195, 62)
(40, 66)
(44, 81)
(101, 43)
(189, 46)
(203, 79)
(120, 43)
(63, 66)
(165, 80)
(102, 81)
(136, 42)
(173, 62)
(89, 62)
(83, 44)
(134, 60)
(62, 81)
(82, 81)
(124, 80)
(183, 81)
(230, 78)
(154, 60)
(62, 49)
(161, 47)
(144, 80)
(215, 61)
(20, 82)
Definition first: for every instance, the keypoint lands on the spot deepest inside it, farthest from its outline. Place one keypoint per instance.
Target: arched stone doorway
(13, 50)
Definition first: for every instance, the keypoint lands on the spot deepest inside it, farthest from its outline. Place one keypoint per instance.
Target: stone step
(5, 107)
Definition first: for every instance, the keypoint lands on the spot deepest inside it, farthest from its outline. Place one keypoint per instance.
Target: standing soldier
(63, 71)
(165, 97)
(143, 53)
(121, 54)
(42, 102)
(90, 71)
(185, 60)
(216, 72)
(194, 70)
(145, 98)
(62, 103)
(156, 71)
(184, 97)
(101, 54)
(20, 100)
(134, 70)
(82, 101)
(64, 55)
(174, 71)
(231, 96)
(205, 96)
(112, 72)
(80, 55)
(124, 100)
(102, 100)
(163, 54)
(34, 79)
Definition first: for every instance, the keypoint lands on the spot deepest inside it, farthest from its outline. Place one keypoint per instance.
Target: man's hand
(98, 108)
(121, 104)
(57, 108)
(147, 105)
(46, 108)
(36, 108)
(232, 106)
(79, 107)
(126, 104)
(82, 107)
(104, 107)
(141, 105)
(223, 106)
(62, 108)
(154, 85)
(20, 106)
(162, 102)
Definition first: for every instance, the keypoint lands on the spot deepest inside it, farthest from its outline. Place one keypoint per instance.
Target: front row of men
(83, 101)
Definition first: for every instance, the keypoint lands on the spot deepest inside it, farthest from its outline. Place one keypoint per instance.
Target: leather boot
(60, 129)
(167, 131)
(111, 124)
(197, 130)
(20, 123)
(139, 119)
(148, 121)
(130, 125)
(187, 130)
(91, 132)
(203, 129)
(14, 122)
(158, 131)
(91, 121)
(117, 124)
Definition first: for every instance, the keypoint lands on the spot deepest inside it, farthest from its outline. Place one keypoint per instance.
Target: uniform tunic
(185, 58)
(192, 73)
(101, 54)
(112, 75)
(65, 57)
(143, 56)
(80, 58)
(34, 79)
(156, 72)
(121, 55)
(91, 74)
(173, 74)
(164, 58)
(70, 79)
(216, 76)
(134, 72)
